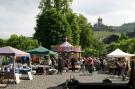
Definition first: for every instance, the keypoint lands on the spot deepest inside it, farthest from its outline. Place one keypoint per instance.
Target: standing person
(101, 64)
(98, 64)
(104, 65)
(132, 74)
(127, 69)
(82, 65)
(85, 65)
(73, 64)
(49, 62)
(90, 64)
(53, 62)
(123, 68)
(118, 70)
(60, 65)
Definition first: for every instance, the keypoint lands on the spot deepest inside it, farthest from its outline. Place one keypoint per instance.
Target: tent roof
(12, 51)
(53, 53)
(41, 50)
(66, 44)
(118, 53)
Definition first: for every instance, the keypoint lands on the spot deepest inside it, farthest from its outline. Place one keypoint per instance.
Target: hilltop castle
(99, 26)
(99, 23)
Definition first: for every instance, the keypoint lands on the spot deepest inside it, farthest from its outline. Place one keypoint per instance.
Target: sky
(19, 16)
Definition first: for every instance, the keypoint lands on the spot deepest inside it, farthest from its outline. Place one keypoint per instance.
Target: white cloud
(113, 12)
(18, 16)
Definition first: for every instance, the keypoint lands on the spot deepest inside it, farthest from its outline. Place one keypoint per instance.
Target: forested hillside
(100, 35)
(128, 27)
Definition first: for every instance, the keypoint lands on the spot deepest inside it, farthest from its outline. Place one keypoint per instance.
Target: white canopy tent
(9, 51)
(66, 44)
(119, 53)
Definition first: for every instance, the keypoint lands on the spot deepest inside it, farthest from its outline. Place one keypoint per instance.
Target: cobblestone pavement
(46, 81)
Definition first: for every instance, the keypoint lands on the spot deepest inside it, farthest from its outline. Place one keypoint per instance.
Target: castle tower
(99, 22)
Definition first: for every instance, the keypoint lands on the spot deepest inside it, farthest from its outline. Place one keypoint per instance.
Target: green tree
(122, 37)
(2, 42)
(74, 25)
(13, 41)
(86, 35)
(53, 23)
(51, 28)
(59, 5)
(22, 42)
(127, 45)
(90, 52)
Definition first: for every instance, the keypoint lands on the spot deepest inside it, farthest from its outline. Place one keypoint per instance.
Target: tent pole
(14, 67)
(79, 56)
(30, 63)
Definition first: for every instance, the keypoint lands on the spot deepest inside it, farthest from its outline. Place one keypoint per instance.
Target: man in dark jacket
(73, 64)
(60, 65)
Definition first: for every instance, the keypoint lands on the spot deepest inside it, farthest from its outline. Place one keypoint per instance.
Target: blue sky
(18, 16)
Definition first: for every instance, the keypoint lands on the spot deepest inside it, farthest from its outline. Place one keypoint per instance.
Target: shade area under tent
(13, 53)
(119, 54)
(41, 51)
(68, 49)
(40, 56)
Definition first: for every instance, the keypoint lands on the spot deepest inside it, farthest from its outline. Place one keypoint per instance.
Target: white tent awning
(12, 52)
(119, 53)
(66, 44)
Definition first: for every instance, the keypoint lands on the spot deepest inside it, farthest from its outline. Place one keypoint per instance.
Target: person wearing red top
(90, 65)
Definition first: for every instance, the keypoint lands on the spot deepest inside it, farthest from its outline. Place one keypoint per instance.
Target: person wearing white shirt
(49, 62)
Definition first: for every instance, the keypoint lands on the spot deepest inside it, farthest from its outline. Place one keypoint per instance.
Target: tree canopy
(21, 42)
(127, 45)
(56, 21)
(86, 35)
(111, 38)
(51, 28)
(59, 5)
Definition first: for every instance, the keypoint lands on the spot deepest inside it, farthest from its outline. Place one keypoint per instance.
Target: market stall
(14, 53)
(68, 52)
(118, 55)
(37, 53)
(66, 47)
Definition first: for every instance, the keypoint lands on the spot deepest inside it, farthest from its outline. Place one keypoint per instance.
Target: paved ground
(46, 81)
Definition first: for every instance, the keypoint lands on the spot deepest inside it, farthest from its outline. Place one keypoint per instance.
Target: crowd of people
(87, 65)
